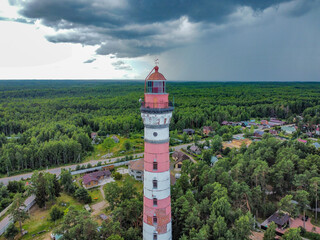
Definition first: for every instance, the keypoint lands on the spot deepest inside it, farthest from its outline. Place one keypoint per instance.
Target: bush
(117, 176)
(78, 167)
(89, 165)
(15, 186)
(5, 202)
(11, 231)
(127, 145)
(56, 213)
(82, 195)
(309, 235)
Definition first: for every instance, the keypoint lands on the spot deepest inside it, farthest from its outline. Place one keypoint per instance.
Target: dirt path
(98, 207)
(190, 156)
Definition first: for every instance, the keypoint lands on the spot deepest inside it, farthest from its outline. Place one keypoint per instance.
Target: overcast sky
(229, 40)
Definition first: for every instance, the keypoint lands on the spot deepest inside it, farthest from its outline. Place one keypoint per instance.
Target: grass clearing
(40, 218)
(137, 184)
(96, 195)
(118, 149)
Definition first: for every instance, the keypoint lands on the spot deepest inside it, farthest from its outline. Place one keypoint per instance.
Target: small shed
(189, 131)
(195, 149)
(103, 217)
(207, 130)
(316, 145)
(87, 207)
(213, 160)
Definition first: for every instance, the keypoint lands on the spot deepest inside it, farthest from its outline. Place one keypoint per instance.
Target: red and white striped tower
(156, 112)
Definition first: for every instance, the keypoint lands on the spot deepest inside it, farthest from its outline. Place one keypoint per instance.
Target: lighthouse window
(155, 134)
(155, 202)
(155, 184)
(155, 220)
(155, 166)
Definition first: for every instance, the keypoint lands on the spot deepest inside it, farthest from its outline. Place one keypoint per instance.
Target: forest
(48, 123)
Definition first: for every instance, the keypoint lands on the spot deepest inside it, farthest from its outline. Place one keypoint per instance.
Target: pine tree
(11, 231)
(57, 187)
(41, 191)
(270, 234)
(17, 210)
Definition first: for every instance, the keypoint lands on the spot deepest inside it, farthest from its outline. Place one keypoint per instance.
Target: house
(225, 123)
(94, 179)
(288, 129)
(316, 145)
(213, 160)
(189, 131)
(309, 134)
(275, 122)
(273, 132)
(281, 219)
(244, 123)
(94, 135)
(318, 130)
(179, 157)
(136, 169)
(302, 140)
(264, 122)
(108, 167)
(207, 130)
(195, 150)
(115, 139)
(258, 134)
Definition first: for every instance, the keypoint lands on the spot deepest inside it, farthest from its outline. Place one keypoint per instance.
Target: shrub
(11, 231)
(82, 195)
(56, 213)
(117, 176)
(309, 235)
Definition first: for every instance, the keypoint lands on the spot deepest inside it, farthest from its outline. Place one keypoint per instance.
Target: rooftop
(94, 176)
(156, 75)
(137, 165)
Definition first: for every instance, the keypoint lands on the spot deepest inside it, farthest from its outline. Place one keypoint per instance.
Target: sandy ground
(236, 143)
(98, 207)
(257, 236)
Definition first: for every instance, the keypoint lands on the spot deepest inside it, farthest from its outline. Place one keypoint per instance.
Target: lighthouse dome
(156, 75)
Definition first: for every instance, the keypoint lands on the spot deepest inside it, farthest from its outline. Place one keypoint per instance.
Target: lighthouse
(156, 113)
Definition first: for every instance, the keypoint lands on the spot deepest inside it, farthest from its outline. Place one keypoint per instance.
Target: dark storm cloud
(132, 28)
(102, 13)
(90, 60)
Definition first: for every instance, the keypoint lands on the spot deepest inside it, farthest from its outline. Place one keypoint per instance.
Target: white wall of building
(156, 134)
(148, 231)
(163, 190)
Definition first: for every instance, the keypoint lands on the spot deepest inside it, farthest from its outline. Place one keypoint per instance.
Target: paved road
(57, 170)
